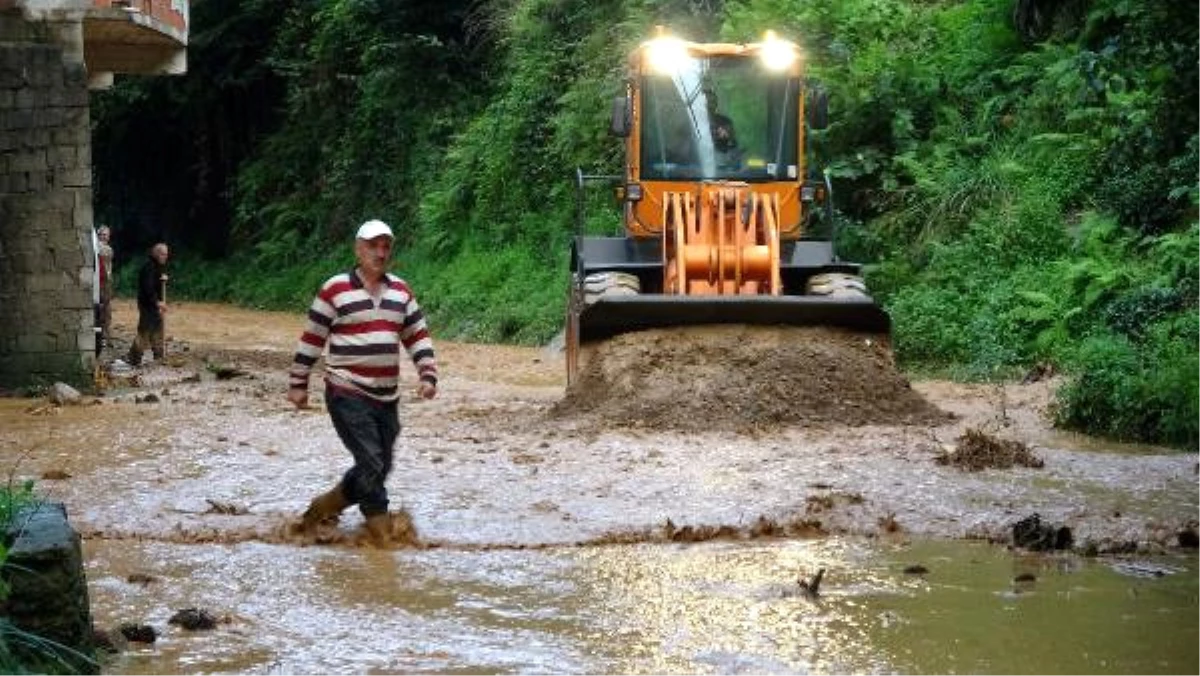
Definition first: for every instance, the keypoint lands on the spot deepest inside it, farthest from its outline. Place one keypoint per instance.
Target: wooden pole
(162, 316)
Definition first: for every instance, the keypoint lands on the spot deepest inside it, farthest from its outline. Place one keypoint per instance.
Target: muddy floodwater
(554, 539)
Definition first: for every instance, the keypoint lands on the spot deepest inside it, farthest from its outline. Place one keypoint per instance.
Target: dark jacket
(150, 289)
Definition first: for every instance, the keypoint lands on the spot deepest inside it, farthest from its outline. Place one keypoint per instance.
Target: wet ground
(550, 541)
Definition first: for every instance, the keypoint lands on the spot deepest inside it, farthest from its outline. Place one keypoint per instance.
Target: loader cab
(720, 117)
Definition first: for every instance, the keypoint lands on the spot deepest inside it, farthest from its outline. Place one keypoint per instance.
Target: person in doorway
(152, 305)
(365, 316)
(104, 254)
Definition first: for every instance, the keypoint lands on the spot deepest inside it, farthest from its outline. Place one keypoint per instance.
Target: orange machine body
(717, 198)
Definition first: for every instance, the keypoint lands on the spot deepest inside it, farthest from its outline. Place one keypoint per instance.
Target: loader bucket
(610, 316)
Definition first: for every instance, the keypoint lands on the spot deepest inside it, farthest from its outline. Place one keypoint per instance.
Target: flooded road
(699, 608)
(562, 546)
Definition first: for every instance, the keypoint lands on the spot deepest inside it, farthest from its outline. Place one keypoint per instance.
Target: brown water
(547, 545)
(701, 608)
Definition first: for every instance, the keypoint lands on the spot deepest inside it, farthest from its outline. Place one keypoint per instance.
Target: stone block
(53, 208)
(72, 366)
(77, 95)
(25, 98)
(28, 160)
(83, 216)
(38, 138)
(73, 136)
(14, 78)
(13, 183)
(51, 118)
(40, 282)
(30, 342)
(18, 120)
(76, 178)
(61, 157)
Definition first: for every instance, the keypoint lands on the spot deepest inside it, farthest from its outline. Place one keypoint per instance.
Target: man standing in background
(104, 253)
(152, 305)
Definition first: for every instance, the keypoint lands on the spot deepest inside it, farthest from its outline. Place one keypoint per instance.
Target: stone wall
(46, 255)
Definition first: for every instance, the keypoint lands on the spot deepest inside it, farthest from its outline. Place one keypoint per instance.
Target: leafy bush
(1149, 394)
(525, 303)
(1134, 313)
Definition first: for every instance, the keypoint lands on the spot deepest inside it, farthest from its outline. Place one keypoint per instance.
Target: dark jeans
(368, 429)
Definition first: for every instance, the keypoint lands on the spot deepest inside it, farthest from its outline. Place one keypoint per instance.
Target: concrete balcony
(129, 37)
(144, 37)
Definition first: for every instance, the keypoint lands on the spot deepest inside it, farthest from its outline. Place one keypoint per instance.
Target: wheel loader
(717, 200)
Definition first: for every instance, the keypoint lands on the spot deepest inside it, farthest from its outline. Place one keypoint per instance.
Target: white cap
(372, 229)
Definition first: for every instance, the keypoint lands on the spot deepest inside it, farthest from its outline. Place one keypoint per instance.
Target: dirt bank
(503, 459)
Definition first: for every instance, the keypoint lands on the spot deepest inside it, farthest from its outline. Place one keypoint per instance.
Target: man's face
(103, 234)
(373, 254)
(161, 253)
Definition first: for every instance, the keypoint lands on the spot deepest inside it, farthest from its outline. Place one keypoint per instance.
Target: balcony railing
(174, 13)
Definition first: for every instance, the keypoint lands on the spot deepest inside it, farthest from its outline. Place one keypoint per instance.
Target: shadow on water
(649, 608)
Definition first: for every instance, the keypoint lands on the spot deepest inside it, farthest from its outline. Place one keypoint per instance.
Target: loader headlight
(633, 192)
(665, 54)
(808, 193)
(777, 54)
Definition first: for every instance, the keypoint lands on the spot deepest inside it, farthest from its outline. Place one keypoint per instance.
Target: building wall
(46, 254)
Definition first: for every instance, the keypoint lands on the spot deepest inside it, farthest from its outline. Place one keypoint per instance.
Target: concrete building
(52, 53)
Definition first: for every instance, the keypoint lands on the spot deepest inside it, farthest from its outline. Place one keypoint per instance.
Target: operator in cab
(724, 136)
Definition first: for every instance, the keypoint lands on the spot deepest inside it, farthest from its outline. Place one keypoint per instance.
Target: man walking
(152, 305)
(365, 316)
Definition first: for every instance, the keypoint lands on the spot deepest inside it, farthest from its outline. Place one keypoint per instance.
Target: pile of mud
(744, 378)
(977, 451)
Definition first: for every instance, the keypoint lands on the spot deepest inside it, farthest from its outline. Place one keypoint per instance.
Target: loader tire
(602, 284)
(837, 285)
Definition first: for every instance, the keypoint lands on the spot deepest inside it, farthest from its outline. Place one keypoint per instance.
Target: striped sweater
(364, 336)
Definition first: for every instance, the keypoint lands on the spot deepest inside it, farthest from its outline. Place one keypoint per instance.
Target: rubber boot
(324, 507)
(379, 530)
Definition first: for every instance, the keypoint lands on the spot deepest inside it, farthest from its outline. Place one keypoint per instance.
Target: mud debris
(216, 507)
(1032, 534)
(138, 633)
(797, 526)
(194, 619)
(812, 587)
(977, 451)
(1188, 539)
(744, 378)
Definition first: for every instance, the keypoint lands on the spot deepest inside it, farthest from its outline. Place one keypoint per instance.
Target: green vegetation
(1019, 175)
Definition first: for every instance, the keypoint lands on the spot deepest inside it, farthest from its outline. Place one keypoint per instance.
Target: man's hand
(426, 389)
(298, 396)
(162, 308)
